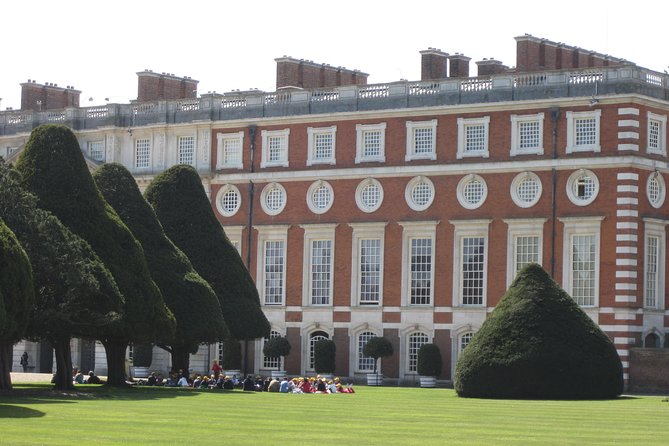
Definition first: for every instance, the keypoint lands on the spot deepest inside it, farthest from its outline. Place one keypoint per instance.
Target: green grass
(372, 416)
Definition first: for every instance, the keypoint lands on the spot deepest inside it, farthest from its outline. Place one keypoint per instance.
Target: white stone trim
(412, 230)
(360, 130)
(359, 199)
(572, 117)
(515, 184)
(285, 138)
(408, 193)
(411, 127)
(312, 133)
(264, 195)
(315, 186)
(265, 234)
(575, 176)
(363, 231)
(462, 185)
(313, 232)
(219, 198)
(221, 138)
(516, 121)
(533, 227)
(468, 228)
(662, 137)
(463, 123)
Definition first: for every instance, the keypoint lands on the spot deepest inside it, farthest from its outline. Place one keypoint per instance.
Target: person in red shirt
(216, 368)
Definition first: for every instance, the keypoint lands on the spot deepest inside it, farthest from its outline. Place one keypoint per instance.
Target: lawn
(372, 416)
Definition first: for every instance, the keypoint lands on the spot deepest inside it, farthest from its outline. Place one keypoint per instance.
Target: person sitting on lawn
(283, 386)
(93, 378)
(79, 377)
(321, 386)
(183, 382)
(258, 383)
(249, 385)
(228, 384)
(152, 380)
(274, 385)
(197, 381)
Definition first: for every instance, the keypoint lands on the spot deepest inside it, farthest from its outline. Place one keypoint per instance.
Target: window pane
(365, 363)
(142, 153)
(586, 131)
(473, 256)
(187, 150)
(321, 260)
(371, 140)
(232, 151)
(271, 363)
(274, 262)
(323, 146)
(475, 138)
(423, 140)
(652, 260)
(583, 269)
(421, 271)
(416, 341)
(526, 251)
(370, 270)
(529, 135)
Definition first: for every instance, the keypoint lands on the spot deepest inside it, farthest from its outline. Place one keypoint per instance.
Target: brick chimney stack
(49, 96)
(164, 87)
(307, 74)
(433, 64)
(459, 65)
(486, 67)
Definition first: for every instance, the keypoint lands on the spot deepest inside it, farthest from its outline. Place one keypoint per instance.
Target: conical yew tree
(75, 296)
(53, 168)
(185, 212)
(16, 298)
(538, 343)
(191, 299)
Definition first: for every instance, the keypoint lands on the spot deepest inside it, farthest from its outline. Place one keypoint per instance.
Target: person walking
(24, 361)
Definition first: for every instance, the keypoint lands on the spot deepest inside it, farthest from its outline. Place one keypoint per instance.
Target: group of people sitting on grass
(316, 384)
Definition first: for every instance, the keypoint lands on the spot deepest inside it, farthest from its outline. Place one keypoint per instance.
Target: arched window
(313, 338)
(271, 363)
(464, 340)
(416, 341)
(652, 340)
(365, 363)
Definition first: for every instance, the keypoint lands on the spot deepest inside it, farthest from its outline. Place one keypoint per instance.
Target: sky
(99, 46)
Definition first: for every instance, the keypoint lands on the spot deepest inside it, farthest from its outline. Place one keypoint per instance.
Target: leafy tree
(325, 351)
(277, 347)
(428, 362)
(191, 299)
(538, 343)
(185, 212)
(16, 297)
(75, 294)
(53, 168)
(377, 347)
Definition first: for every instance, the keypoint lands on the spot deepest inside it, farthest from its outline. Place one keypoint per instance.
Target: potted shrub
(324, 357)
(429, 364)
(232, 357)
(278, 347)
(142, 356)
(377, 347)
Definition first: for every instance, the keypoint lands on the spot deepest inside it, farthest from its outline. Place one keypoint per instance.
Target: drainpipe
(249, 228)
(555, 114)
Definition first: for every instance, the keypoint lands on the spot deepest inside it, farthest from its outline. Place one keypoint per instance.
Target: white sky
(99, 46)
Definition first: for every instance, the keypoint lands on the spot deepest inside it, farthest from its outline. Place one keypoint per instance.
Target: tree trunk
(5, 366)
(115, 350)
(180, 358)
(63, 380)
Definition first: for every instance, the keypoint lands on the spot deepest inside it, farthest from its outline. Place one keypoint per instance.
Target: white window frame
(516, 123)
(366, 231)
(312, 136)
(661, 120)
(408, 193)
(310, 343)
(522, 227)
(361, 130)
(92, 149)
(136, 154)
(274, 233)
(284, 136)
(572, 118)
(359, 199)
(221, 140)
(228, 188)
(655, 228)
(183, 149)
(573, 178)
(412, 357)
(269, 188)
(411, 231)
(515, 185)
(463, 124)
(270, 363)
(312, 233)
(662, 192)
(358, 351)
(315, 186)
(412, 127)
(463, 229)
(462, 185)
(580, 226)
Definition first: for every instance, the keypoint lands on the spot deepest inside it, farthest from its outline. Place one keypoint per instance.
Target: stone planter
(374, 379)
(428, 381)
(233, 373)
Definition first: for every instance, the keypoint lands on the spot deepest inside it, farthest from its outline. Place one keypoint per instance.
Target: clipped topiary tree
(538, 343)
(278, 347)
(191, 299)
(16, 298)
(429, 360)
(325, 352)
(377, 347)
(185, 212)
(75, 296)
(53, 168)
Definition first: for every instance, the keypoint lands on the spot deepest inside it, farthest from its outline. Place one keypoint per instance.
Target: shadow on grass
(9, 411)
(45, 393)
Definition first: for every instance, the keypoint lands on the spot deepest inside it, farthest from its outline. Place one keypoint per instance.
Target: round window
(369, 195)
(320, 197)
(228, 200)
(273, 199)
(582, 187)
(655, 189)
(526, 189)
(419, 193)
(472, 191)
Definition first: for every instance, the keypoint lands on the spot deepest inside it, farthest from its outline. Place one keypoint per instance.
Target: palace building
(405, 209)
